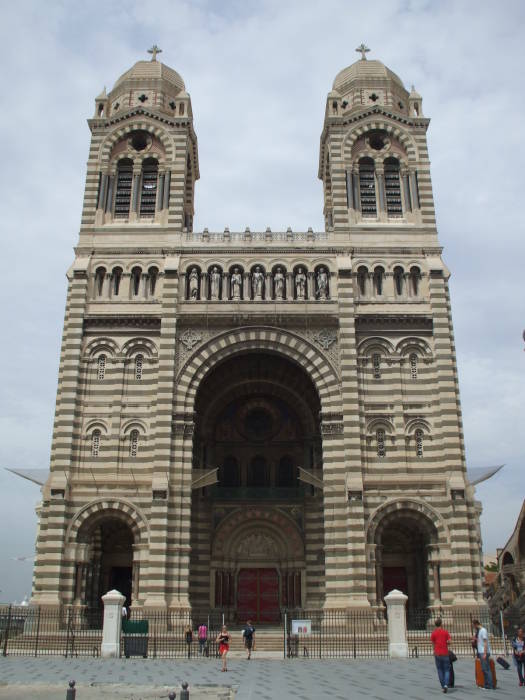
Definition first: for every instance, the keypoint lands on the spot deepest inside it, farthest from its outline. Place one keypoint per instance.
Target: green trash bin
(135, 638)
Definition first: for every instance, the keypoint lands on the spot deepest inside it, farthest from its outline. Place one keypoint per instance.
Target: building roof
(151, 70)
(364, 70)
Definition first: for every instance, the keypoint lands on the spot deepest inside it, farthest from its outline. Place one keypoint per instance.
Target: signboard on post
(303, 627)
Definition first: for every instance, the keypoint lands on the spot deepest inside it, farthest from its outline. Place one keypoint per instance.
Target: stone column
(289, 295)
(113, 602)
(397, 626)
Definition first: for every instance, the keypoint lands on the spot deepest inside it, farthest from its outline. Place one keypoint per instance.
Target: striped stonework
(280, 408)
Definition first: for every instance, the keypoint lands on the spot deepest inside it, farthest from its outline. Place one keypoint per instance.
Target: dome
(144, 71)
(364, 70)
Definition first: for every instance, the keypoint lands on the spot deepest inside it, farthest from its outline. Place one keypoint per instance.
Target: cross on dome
(154, 51)
(363, 50)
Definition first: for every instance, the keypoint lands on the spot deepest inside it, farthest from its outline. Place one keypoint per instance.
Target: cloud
(258, 74)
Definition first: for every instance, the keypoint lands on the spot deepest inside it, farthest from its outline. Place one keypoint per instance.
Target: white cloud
(258, 74)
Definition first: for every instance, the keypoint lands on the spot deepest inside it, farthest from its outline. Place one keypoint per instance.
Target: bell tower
(373, 158)
(143, 160)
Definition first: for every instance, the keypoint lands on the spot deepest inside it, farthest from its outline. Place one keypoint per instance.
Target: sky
(258, 74)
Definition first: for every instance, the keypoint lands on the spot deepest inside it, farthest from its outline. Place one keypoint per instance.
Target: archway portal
(109, 563)
(257, 420)
(408, 558)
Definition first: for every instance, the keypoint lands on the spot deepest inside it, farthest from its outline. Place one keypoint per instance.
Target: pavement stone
(46, 678)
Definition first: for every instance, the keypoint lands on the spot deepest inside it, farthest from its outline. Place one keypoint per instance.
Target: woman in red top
(224, 645)
(440, 639)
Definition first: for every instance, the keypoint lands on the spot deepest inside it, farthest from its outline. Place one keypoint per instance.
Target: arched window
(148, 190)
(419, 443)
(399, 280)
(116, 278)
(392, 187)
(136, 275)
(95, 443)
(367, 187)
(139, 364)
(286, 475)
(123, 190)
(229, 473)
(133, 443)
(362, 280)
(376, 365)
(413, 365)
(101, 367)
(380, 441)
(379, 274)
(153, 274)
(415, 277)
(100, 274)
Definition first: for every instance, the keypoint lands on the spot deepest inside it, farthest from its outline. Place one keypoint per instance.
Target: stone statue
(278, 283)
(236, 284)
(215, 283)
(322, 283)
(300, 284)
(193, 285)
(257, 283)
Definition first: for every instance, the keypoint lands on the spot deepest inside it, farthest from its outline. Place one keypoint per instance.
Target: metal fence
(72, 632)
(458, 622)
(36, 631)
(335, 634)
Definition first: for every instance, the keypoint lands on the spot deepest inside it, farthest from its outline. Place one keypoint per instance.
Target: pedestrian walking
(484, 651)
(248, 636)
(224, 645)
(202, 635)
(518, 655)
(440, 639)
(188, 634)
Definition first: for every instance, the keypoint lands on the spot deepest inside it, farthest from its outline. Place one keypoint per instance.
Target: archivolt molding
(379, 124)
(209, 347)
(281, 533)
(138, 345)
(113, 507)
(101, 345)
(122, 131)
(398, 505)
(413, 344)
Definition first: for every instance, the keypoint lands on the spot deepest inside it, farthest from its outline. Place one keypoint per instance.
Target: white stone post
(397, 626)
(113, 602)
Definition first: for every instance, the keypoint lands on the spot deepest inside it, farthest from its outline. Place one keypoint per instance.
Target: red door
(394, 577)
(258, 595)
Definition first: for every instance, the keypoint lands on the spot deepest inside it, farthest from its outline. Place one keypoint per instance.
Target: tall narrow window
(419, 443)
(362, 279)
(148, 192)
(367, 187)
(153, 273)
(100, 275)
(123, 191)
(101, 367)
(398, 281)
(116, 278)
(133, 443)
(415, 276)
(95, 443)
(376, 365)
(392, 187)
(413, 366)
(139, 364)
(136, 275)
(379, 273)
(380, 439)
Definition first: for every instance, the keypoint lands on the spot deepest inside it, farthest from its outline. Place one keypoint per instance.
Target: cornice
(96, 123)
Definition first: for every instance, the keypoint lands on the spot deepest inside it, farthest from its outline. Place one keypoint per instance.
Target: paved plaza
(46, 678)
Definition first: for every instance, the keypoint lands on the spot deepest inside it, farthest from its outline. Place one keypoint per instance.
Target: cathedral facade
(257, 420)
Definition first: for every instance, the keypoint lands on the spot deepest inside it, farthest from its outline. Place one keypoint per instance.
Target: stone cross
(154, 51)
(363, 50)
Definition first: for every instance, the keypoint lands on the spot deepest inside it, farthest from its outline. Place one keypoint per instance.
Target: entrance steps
(266, 639)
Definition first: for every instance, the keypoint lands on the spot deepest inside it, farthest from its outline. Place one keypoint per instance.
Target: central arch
(257, 418)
